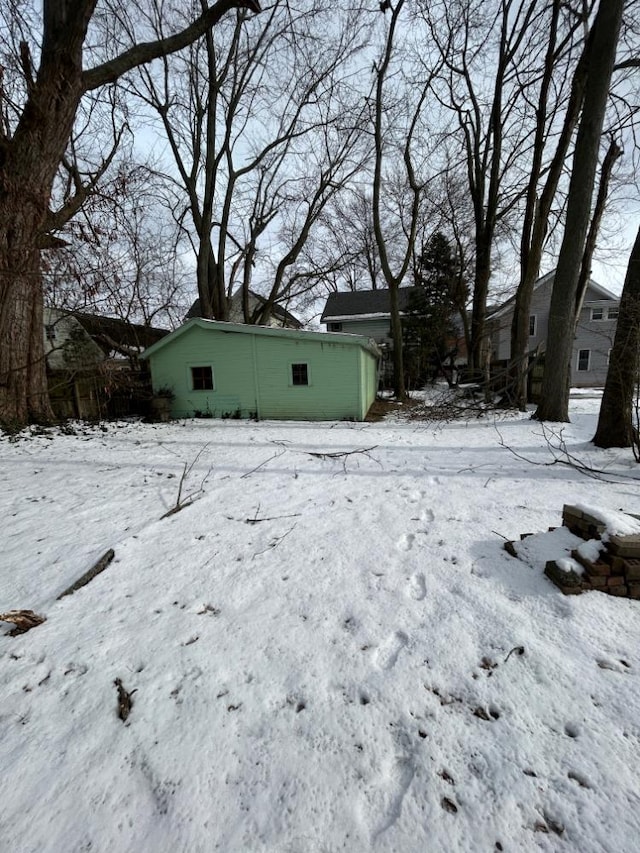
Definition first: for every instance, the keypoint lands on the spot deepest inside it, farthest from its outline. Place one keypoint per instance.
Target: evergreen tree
(429, 326)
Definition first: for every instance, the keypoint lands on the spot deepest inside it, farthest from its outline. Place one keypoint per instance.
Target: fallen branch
(98, 567)
(569, 460)
(275, 542)
(262, 464)
(182, 502)
(24, 620)
(271, 518)
(341, 454)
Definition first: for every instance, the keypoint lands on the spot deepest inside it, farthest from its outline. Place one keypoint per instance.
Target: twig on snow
(262, 464)
(187, 500)
(569, 460)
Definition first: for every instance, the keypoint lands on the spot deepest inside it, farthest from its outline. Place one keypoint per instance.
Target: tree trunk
(614, 152)
(28, 164)
(29, 160)
(396, 332)
(554, 403)
(479, 309)
(615, 422)
(23, 381)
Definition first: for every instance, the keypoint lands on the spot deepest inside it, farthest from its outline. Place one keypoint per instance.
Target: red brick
(596, 582)
(625, 546)
(632, 569)
(617, 565)
(597, 568)
(620, 591)
(615, 580)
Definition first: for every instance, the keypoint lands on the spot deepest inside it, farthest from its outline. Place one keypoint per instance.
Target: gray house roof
(363, 303)
(601, 292)
(278, 311)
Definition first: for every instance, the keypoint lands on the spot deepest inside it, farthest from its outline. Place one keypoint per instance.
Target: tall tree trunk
(614, 152)
(615, 423)
(479, 307)
(28, 164)
(554, 403)
(537, 209)
(23, 381)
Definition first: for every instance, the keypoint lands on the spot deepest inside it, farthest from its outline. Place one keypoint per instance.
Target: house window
(612, 313)
(334, 327)
(299, 374)
(50, 332)
(202, 378)
(532, 325)
(597, 313)
(584, 356)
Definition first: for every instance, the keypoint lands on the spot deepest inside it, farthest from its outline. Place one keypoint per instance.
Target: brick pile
(615, 572)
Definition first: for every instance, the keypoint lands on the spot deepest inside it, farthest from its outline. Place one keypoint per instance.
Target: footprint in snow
(405, 543)
(388, 651)
(384, 802)
(416, 587)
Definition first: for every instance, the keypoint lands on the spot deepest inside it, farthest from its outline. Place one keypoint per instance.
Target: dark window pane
(299, 374)
(202, 378)
(583, 359)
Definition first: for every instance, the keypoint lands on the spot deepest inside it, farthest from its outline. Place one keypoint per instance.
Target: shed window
(50, 332)
(299, 374)
(597, 313)
(202, 378)
(334, 327)
(584, 356)
(612, 313)
(532, 325)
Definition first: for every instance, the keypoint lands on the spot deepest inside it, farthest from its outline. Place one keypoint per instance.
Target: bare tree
(122, 256)
(384, 118)
(38, 114)
(554, 403)
(544, 178)
(616, 427)
(237, 113)
(490, 56)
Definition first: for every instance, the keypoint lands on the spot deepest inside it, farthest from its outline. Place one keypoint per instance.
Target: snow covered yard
(323, 652)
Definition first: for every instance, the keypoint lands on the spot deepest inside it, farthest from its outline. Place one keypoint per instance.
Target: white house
(594, 336)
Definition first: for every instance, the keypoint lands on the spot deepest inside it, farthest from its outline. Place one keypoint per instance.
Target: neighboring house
(92, 364)
(364, 312)
(280, 317)
(368, 312)
(217, 369)
(594, 335)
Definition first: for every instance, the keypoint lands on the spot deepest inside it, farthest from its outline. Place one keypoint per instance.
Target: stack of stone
(616, 571)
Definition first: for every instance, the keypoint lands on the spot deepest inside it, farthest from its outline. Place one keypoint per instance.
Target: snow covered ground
(323, 652)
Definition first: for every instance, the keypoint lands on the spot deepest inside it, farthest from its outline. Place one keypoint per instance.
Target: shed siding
(231, 359)
(252, 375)
(332, 392)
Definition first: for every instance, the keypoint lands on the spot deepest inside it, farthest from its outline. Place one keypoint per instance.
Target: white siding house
(594, 336)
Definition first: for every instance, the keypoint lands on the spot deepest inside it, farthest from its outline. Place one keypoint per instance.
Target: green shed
(233, 370)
